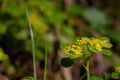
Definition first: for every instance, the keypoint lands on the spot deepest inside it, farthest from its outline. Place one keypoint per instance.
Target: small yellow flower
(98, 47)
(83, 40)
(77, 49)
(96, 41)
(67, 49)
(117, 69)
(96, 44)
(106, 45)
(74, 50)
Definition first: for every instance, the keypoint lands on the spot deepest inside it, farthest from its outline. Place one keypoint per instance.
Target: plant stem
(45, 69)
(88, 70)
(33, 45)
(81, 78)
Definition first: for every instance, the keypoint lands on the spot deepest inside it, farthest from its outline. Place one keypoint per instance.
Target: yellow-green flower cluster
(73, 50)
(98, 44)
(117, 69)
(83, 40)
(84, 45)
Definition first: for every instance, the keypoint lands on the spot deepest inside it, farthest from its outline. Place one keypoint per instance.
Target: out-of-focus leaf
(39, 55)
(65, 39)
(49, 37)
(13, 10)
(95, 18)
(28, 45)
(117, 64)
(3, 28)
(63, 45)
(95, 78)
(38, 25)
(51, 11)
(75, 10)
(47, 6)
(113, 35)
(57, 17)
(68, 31)
(23, 34)
(3, 56)
(105, 39)
(115, 75)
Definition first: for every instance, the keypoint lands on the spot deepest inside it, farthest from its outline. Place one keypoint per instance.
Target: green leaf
(95, 78)
(105, 39)
(106, 52)
(95, 17)
(115, 75)
(39, 55)
(86, 52)
(92, 48)
(21, 35)
(117, 64)
(67, 62)
(75, 39)
(1, 50)
(68, 31)
(14, 10)
(3, 56)
(57, 17)
(75, 10)
(3, 28)
(63, 45)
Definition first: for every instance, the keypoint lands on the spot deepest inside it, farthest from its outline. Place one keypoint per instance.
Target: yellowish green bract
(84, 47)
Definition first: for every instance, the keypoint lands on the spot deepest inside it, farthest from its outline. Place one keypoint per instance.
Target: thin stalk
(33, 45)
(88, 70)
(86, 67)
(45, 68)
(81, 78)
(82, 64)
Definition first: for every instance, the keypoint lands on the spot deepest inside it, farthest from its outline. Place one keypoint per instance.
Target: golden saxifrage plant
(84, 47)
(116, 73)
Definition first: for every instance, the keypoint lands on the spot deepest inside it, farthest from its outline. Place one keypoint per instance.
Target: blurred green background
(54, 22)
